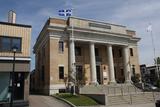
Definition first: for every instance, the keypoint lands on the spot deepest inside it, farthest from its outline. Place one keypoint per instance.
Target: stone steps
(139, 98)
(109, 89)
(119, 94)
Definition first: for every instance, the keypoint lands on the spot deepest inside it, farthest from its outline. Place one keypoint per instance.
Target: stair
(120, 94)
(118, 100)
(142, 98)
(109, 89)
(136, 98)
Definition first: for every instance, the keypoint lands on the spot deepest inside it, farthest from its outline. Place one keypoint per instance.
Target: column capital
(91, 42)
(125, 46)
(71, 39)
(109, 45)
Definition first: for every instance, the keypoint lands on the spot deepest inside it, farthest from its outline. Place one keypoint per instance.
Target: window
(42, 73)
(79, 72)
(43, 55)
(61, 46)
(7, 43)
(78, 51)
(61, 72)
(96, 52)
(131, 52)
(113, 53)
(133, 70)
(120, 53)
(122, 72)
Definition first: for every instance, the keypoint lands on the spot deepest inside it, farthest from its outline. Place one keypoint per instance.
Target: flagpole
(73, 67)
(154, 52)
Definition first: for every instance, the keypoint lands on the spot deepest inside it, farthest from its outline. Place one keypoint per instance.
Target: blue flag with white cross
(65, 12)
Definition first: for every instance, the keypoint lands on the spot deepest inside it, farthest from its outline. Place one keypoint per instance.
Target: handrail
(153, 96)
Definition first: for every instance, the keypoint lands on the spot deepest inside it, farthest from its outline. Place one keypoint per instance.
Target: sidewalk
(45, 101)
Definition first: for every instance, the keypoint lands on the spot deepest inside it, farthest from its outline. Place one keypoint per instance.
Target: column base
(128, 82)
(94, 83)
(112, 83)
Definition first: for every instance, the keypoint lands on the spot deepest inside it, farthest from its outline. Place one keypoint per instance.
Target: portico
(109, 57)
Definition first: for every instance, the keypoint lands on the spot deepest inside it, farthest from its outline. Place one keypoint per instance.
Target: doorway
(98, 70)
(19, 86)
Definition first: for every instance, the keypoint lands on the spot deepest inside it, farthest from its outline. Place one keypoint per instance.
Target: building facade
(99, 53)
(19, 36)
(149, 74)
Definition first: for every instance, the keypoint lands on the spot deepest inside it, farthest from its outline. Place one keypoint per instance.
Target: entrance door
(19, 86)
(79, 73)
(98, 74)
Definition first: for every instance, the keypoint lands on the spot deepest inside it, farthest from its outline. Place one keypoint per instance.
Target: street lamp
(14, 49)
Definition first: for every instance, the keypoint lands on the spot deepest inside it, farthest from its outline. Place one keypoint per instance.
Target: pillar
(93, 64)
(111, 65)
(126, 64)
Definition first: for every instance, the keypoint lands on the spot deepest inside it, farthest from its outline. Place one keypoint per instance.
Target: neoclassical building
(98, 52)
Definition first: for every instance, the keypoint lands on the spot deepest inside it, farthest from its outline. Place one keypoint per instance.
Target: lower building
(94, 52)
(150, 74)
(17, 36)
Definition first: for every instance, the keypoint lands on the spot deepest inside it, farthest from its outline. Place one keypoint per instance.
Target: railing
(127, 93)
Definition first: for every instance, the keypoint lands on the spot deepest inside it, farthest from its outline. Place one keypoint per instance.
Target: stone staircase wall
(120, 94)
(137, 98)
(109, 89)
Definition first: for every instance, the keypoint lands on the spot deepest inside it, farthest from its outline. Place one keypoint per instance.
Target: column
(93, 64)
(126, 64)
(72, 58)
(111, 64)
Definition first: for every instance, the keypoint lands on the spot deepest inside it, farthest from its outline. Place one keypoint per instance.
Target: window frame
(120, 52)
(131, 51)
(61, 47)
(60, 76)
(11, 39)
(97, 52)
(79, 52)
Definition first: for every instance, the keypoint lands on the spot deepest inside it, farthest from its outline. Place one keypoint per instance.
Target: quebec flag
(65, 12)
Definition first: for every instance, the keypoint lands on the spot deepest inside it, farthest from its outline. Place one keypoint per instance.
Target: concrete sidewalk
(45, 101)
(136, 105)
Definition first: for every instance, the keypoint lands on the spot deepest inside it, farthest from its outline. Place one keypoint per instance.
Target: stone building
(16, 35)
(99, 52)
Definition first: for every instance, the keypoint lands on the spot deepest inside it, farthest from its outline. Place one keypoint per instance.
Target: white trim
(57, 86)
(11, 58)
(60, 65)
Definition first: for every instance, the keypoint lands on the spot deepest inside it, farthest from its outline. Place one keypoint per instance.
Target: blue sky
(135, 14)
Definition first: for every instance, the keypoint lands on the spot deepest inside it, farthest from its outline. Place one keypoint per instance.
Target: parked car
(157, 103)
(149, 87)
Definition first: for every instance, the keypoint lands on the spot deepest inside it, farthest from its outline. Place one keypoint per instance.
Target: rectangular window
(78, 51)
(43, 55)
(8, 43)
(131, 52)
(122, 72)
(133, 70)
(113, 53)
(61, 72)
(61, 46)
(96, 52)
(42, 73)
(79, 72)
(120, 53)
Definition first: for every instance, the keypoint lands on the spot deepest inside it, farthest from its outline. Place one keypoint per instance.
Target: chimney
(11, 16)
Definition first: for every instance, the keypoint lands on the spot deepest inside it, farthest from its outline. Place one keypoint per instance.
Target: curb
(69, 103)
